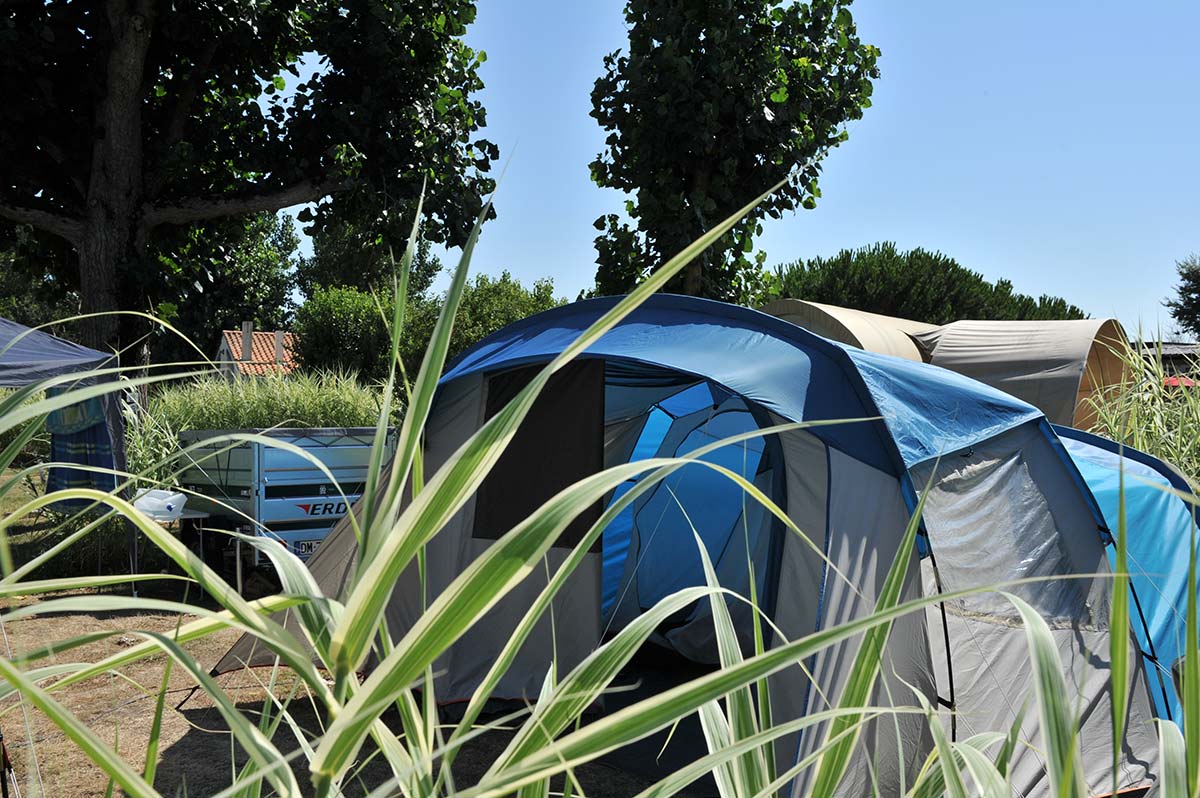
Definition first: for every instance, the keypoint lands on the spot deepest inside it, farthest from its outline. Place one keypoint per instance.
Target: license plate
(307, 547)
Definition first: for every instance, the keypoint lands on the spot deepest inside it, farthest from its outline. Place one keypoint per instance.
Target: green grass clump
(1149, 415)
(322, 399)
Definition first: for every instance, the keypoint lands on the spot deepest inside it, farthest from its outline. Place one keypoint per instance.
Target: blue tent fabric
(926, 411)
(88, 434)
(1159, 531)
(28, 356)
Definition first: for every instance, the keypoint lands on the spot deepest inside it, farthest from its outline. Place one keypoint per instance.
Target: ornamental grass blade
(1174, 761)
(867, 661)
(454, 483)
(1120, 631)
(1058, 727)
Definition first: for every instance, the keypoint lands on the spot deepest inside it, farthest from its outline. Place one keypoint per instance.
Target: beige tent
(1054, 365)
(871, 331)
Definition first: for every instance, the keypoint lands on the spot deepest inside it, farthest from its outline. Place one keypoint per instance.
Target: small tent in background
(1057, 366)
(1005, 502)
(1160, 529)
(874, 332)
(90, 433)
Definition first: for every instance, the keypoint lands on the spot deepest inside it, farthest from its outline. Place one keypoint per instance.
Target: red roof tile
(262, 353)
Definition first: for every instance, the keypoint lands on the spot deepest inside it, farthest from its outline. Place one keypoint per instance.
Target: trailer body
(259, 489)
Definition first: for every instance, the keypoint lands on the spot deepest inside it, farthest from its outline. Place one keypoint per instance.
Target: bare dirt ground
(197, 755)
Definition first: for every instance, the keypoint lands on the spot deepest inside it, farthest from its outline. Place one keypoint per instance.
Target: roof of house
(262, 353)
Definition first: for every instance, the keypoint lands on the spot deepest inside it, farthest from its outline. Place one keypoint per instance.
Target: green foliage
(918, 284)
(222, 275)
(1185, 307)
(1150, 415)
(321, 399)
(712, 103)
(352, 256)
(344, 328)
(122, 124)
(30, 294)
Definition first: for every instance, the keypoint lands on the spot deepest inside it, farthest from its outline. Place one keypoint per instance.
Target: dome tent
(1005, 502)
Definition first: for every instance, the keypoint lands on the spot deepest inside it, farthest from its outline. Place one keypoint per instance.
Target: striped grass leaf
(1173, 759)
(151, 766)
(458, 479)
(257, 745)
(749, 773)
(930, 781)
(61, 584)
(1058, 726)
(868, 660)
(1120, 631)
(1191, 678)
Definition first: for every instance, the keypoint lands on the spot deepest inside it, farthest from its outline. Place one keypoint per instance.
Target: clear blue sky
(1052, 143)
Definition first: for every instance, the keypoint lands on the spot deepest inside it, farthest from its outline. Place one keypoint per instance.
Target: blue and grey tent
(1160, 533)
(89, 433)
(1004, 502)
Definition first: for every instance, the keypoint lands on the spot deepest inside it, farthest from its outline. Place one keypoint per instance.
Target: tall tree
(714, 102)
(918, 284)
(123, 117)
(1185, 307)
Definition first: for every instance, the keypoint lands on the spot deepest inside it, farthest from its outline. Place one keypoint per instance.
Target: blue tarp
(926, 411)
(28, 356)
(88, 434)
(1159, 531)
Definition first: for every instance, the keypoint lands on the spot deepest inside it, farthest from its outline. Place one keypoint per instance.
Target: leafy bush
(321, 399)
(345, 328)
(918, 284)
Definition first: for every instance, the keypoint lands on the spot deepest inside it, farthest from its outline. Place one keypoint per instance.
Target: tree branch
(180, 114)
(62, 226)
(198, 210)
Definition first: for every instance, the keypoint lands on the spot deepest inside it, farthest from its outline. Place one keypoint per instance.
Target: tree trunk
(115, 187)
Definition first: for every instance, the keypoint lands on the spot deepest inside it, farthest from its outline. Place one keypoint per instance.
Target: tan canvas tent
(873, 332)
(1056, 366)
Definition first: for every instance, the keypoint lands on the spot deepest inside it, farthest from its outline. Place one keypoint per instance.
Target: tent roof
(788, 370)
(874, 332)
(28, 356)
(1042, 362)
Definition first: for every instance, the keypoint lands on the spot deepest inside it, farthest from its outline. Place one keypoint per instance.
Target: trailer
(262, 490)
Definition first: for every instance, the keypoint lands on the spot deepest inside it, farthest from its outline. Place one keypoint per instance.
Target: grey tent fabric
(1054, 365)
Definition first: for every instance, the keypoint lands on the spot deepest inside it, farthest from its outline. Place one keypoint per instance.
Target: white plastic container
(163, 506)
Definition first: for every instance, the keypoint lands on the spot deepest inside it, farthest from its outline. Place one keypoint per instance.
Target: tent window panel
(560, 442)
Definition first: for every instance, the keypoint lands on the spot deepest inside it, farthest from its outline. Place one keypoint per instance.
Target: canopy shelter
(90, 433)
(888, 335)
(1160, 531)
(1057, 366)
(1004, 502)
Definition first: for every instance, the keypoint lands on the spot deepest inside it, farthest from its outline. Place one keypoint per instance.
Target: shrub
(343, 329)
